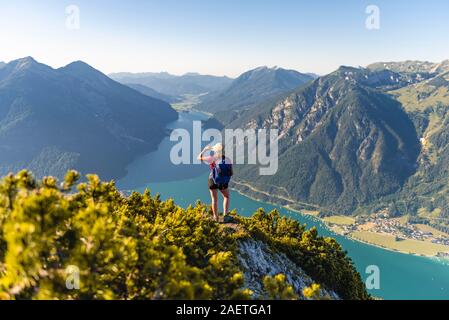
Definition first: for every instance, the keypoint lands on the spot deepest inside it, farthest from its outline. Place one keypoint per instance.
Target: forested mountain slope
(153, 93)
(343, 142)
(425, 196)
(253, 87)
(358, 141)
(52, 120)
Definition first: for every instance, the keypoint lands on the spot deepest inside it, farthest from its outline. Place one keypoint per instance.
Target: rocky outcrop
(258, 260)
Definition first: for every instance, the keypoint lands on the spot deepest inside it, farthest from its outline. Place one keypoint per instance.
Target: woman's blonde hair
(218, 149)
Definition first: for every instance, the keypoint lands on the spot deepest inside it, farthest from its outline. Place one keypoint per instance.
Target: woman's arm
(200, 156)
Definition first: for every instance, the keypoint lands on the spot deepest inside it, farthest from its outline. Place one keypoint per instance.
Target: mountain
(139, 247)
(441, 67)
(403, 66)
(313, 75)
(52, 120)
(358, 141)
(153, 93)
(411, 66)
(425, 196)
(2, 64)
(424, 95)
(343, 142)
(190, 83)
(253, 87)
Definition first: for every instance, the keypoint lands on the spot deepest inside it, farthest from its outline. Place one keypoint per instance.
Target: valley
(188, 102)
(191, 154)
(356, 146)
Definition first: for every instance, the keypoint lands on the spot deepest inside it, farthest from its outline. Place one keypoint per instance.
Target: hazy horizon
(209, 74)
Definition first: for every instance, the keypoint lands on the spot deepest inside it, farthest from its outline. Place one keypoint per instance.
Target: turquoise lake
(402, 276)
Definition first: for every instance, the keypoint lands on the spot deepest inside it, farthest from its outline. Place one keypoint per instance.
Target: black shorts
(213, 186)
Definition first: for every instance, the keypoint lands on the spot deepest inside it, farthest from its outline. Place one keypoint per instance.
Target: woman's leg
(226, 200)
(214, 198)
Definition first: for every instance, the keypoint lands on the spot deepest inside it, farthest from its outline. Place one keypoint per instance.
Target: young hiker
(219, 177)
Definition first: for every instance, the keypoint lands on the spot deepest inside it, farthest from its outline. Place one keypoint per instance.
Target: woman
(220, 170)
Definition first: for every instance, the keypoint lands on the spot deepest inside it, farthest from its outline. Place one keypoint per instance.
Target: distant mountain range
(2, 64)
(171, 85)
(412, 66)
(253, 87)
(52, 120)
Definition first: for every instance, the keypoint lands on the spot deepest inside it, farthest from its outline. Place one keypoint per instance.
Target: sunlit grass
(425, 248)
(340, 220)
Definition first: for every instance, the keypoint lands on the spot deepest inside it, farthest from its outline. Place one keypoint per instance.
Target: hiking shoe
(229, 219)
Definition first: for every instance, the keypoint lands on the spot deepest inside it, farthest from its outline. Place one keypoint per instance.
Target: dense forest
(136, 246)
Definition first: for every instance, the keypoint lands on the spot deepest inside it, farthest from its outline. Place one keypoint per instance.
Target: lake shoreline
(327, 225)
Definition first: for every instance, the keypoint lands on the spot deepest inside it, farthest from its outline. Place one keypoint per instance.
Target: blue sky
(223, 37)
